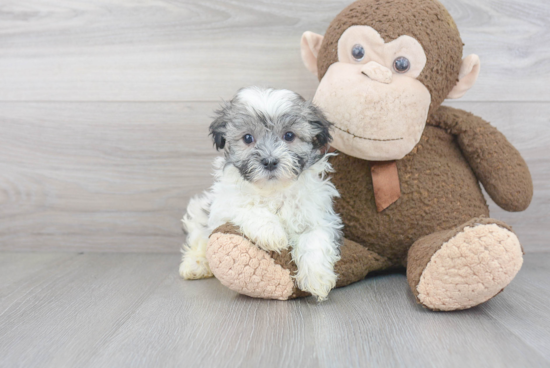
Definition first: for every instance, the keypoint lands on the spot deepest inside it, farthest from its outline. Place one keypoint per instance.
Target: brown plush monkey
(408, 169)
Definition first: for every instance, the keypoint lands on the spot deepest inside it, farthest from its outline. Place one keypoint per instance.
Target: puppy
(270, 183)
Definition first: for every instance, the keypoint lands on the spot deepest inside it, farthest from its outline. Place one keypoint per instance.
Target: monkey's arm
(497, 164)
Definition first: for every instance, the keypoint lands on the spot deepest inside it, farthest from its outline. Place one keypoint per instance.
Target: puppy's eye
(247, 138)
(289, 136)
(401, 64)
(358, 52)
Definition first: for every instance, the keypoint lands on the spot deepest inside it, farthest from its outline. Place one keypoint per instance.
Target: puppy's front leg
(264, 229)
(315, 254)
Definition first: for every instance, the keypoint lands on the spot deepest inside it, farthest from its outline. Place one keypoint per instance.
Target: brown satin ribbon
(385, 181)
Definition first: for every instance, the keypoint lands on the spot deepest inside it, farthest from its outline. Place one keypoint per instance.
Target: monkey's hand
(497, 164)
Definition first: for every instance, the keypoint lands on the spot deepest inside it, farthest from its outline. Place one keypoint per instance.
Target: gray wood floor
(120, 310)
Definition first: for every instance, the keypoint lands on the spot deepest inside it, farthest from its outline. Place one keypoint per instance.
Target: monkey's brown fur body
(439, 188)
(439, 228)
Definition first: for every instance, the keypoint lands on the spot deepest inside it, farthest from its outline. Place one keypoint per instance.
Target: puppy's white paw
(318, 281)
(269, 237)
(194, 267)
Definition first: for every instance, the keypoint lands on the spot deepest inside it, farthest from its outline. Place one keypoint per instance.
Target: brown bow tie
(385, 182)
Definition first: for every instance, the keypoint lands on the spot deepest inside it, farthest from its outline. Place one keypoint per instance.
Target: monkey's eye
(289, 136)
(401, 64)
(247, 138)
(358, 52)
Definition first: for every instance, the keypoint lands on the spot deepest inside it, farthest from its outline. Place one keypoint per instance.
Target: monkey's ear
(469, 71)
(217, 131)
(311, 44)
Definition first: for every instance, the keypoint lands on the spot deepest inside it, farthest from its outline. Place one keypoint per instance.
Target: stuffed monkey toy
(408, 169)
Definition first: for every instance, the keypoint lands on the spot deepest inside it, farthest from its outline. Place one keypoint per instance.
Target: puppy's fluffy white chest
(288, 206)
(296, 205)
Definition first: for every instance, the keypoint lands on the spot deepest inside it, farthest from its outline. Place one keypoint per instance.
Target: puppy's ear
(321, 126)
(218, 129)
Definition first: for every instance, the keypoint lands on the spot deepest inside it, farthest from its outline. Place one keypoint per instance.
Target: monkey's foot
(246, 269)
(464, 267)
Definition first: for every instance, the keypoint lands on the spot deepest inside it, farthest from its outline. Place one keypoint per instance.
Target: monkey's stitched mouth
(368, 139)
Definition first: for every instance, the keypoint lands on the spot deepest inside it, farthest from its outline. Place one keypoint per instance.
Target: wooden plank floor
(119, 310)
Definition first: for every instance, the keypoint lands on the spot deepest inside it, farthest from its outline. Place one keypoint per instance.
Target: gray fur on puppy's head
(270, 134)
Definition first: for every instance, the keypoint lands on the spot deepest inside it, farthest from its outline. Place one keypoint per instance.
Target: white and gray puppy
(272, 184)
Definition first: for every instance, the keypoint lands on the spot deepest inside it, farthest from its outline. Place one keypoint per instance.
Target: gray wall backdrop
(104, 106)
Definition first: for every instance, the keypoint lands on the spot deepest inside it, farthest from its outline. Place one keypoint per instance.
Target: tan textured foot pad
(246, 269)
(470, 268)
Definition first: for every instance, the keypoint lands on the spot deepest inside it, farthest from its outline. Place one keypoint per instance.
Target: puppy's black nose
(270, 164)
